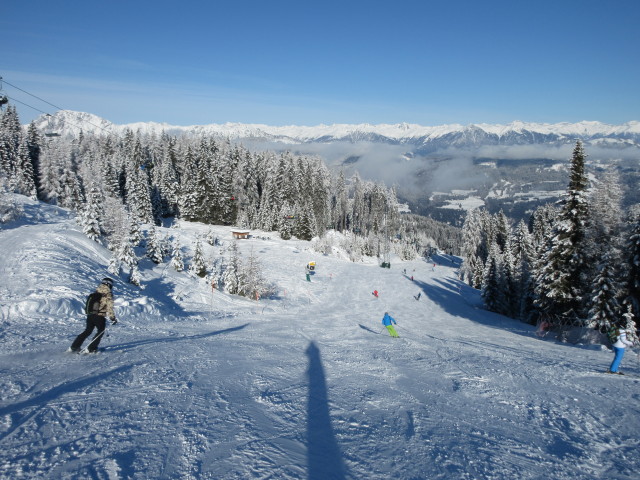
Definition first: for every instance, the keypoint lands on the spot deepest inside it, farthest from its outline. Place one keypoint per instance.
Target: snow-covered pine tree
(177, 260)
(511, 273)
(605, 308)
(135, 276)
(603, 241)
(138, 191)
(561, 275)
(34, 141)
(70, 193)
(231, 274)
(115, 223)
(631, 273)
(169, 181)
(10, 139)
(493, 285)
(339, 204)
(287, 219)
(125, 255)
(115, 267)
(304, 222)
(189, 200)
(543, 221)
(501, 229)
(136, 235)
(154, 246)
(474, 247)
(524, 256)
(25, 183)
(198, 266)
(605, 213)
(92, 213)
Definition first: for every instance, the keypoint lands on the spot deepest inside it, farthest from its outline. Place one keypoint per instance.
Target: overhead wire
(27, 105)
(2, 80)
(31, 94)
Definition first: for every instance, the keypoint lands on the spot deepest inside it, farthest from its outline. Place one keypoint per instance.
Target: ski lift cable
(2, 80)
(31, 94)
(27, 105)
(45, 113)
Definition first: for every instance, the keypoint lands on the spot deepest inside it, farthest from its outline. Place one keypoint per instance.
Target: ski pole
(98, 336)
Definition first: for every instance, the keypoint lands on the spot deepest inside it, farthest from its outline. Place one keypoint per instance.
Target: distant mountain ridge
(441, 171)
(425, 139)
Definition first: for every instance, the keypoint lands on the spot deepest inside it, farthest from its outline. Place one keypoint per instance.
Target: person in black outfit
(97, 317)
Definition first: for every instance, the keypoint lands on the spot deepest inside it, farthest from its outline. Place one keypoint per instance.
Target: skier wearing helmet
(99, 306)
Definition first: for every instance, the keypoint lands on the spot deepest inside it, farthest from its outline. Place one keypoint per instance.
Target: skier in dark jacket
(97, 318)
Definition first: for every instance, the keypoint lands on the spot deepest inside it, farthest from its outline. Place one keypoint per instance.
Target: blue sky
(306, 63)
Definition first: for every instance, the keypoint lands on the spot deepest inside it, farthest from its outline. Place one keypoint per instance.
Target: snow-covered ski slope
(306, 385)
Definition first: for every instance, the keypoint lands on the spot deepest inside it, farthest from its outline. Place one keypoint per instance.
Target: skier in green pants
(387, 321)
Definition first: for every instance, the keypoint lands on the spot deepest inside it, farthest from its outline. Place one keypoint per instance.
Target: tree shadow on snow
(459, 299)
(324, 458)
(151, 341)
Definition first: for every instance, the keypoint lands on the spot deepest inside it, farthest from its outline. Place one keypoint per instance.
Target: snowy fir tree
(631, 266)
(475, 248)
(493, 285)
(127, 257)
(605, 308)
(198, 266)
(231, 274)
(177, 261)
(92, 213)
(155, 251)
(115, 266)
(561, 278)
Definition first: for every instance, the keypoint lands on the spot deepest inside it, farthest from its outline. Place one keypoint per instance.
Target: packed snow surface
(195, 383)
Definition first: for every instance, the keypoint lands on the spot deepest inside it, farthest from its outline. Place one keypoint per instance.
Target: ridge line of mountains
(441, 171)
(427, 139)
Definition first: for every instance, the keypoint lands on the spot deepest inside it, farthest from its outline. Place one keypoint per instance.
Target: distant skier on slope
(99, 306)
(618, 348)
(387, 321)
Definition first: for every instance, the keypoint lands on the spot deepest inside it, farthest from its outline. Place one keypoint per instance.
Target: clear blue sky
(306, 63)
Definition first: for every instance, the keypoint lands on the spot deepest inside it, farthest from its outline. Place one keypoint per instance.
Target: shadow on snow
(41, 400)
(324, 458)
(151, 341)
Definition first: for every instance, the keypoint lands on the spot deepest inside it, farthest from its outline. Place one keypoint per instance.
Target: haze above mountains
(440, 170)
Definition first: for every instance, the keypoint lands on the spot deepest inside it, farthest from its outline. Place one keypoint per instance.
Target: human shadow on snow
(324, 458)
(368, 329)
(151, 341)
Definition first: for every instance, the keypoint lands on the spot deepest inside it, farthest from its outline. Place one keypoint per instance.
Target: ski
(612, 374)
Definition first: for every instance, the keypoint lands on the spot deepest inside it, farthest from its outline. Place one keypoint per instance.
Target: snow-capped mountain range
(427, 139)
(440, 171)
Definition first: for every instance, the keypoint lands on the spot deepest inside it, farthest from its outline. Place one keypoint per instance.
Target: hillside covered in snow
(305, 383)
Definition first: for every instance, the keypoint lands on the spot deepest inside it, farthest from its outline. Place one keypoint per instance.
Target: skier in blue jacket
(387, 321)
